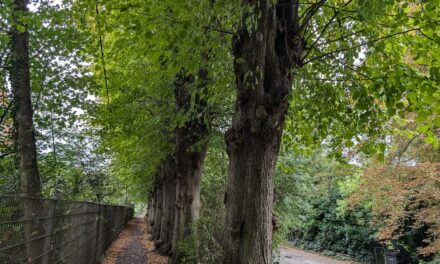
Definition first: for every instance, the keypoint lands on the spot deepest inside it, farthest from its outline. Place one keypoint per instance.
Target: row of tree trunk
(269, 53)
(253, 141)
(175, 201)
(266, 53)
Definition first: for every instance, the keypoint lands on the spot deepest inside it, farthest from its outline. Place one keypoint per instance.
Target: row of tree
(173, 75)
(274, 48)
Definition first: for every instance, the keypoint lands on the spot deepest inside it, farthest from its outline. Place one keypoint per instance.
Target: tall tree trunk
(24, 129)
(150, 210)
(158, 199)
(263, 62)
(190, 155)
(169, 206)
(23, 113)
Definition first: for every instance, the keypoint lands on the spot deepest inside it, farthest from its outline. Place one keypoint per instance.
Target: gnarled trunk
(190, 155)
(264, 58)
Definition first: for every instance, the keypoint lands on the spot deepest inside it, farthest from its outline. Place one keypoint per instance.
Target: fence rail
(48, 231)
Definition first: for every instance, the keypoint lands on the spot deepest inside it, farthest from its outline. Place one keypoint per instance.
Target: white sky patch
(35, 4)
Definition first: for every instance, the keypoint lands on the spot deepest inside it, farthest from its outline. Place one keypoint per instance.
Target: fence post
(49, 231)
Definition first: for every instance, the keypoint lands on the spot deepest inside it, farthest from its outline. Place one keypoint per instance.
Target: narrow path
(134, 251)
(130, 247)
(290, 255)
(134, 246)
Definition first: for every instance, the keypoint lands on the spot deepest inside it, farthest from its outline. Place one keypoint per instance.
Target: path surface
(291, 255)
(134, 247)
(134, 251)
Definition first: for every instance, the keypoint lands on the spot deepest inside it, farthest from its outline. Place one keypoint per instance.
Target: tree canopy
(279, 119)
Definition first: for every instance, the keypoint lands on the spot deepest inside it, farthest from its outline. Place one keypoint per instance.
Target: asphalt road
(295, 256)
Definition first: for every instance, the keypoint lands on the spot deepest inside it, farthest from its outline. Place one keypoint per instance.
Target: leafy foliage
(311, 192)
(403, 195)
(103, 73)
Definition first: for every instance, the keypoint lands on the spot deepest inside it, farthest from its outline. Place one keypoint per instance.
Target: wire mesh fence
(48, 231)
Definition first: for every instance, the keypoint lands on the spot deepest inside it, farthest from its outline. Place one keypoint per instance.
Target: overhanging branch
(360, 45)
(335, 14)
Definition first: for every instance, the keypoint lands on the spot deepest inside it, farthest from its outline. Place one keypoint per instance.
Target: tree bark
(23, 112)
(263, 62)
(169, 206)
(150, 210)
(190, 154)
(158, 200)
(24, 128)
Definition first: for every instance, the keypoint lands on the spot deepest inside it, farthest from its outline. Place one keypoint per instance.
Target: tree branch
(102, 53)
(360, 45)
(174, 21)
(335, 14)
(3, 155)
(6, 112)
(426, 36)
(309, 14)
(340, 38)
(403, 150)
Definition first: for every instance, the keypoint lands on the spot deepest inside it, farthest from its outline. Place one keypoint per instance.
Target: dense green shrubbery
(310, 208)
(348, 233)
(314, 210)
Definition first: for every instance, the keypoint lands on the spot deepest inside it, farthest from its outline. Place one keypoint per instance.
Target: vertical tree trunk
(150, 210)
(169, 206)
(23, 113)
(24, 129)
(263, 61)
(158, 198)
(190, 155)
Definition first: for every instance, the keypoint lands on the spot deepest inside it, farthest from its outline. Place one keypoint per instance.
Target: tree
(327, 60)
(265, 50)
(24, 128)
(191, 147)
(338, 95)
(23, 113)
(403, 194)
(169, 204)
(136, 114)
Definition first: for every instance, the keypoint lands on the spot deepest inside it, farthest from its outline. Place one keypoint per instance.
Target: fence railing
(47, 231)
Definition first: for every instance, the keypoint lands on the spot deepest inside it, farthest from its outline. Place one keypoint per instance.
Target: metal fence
(47, 231)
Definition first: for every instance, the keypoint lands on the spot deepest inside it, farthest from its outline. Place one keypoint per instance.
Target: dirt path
(130, 247)
(134, 251)
(134, 246)
(291, 255)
